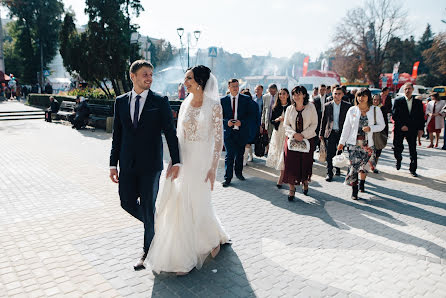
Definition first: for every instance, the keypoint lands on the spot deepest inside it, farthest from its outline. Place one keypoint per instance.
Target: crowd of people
(336, 122)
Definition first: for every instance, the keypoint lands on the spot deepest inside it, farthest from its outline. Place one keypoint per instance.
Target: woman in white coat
(357, 134)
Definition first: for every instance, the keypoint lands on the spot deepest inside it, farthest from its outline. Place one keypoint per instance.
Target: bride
(187, 229)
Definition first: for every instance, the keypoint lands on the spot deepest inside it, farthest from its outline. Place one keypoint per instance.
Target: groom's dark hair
(232, 81)
(201, 74)
(138, 64)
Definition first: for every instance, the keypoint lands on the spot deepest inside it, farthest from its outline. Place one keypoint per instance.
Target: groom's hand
(114, 175)
(173, 171)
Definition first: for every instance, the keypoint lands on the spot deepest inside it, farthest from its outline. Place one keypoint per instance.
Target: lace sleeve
(217, 116)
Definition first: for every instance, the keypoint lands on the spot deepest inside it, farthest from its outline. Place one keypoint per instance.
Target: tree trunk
(107, 93)
(116, 87)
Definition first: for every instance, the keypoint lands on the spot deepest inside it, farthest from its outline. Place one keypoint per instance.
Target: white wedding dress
(187, 228)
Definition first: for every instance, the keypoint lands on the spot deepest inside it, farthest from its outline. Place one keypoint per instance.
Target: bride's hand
(211, 177)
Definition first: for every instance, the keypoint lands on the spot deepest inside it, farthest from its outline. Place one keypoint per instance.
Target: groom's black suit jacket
(141, 149)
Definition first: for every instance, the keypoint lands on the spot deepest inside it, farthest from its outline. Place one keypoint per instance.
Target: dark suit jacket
(141, 149)
(82, 110)
(387, 106)
(318, 105)
(328, 118)
(401, 116)
(243, 114)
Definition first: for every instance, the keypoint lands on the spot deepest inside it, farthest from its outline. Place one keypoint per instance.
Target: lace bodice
(193, 132)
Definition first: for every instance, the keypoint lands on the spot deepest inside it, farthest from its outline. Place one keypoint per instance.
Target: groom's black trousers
(134, 185)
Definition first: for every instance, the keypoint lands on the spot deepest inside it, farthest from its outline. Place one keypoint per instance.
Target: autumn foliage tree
(364, 34)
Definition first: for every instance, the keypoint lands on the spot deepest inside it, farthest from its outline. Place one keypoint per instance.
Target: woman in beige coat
(300, 123)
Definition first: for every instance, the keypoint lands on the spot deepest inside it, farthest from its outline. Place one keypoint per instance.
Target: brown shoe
(139, 265)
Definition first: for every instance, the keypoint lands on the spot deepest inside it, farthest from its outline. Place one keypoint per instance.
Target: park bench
(99, 114)
(65, 110)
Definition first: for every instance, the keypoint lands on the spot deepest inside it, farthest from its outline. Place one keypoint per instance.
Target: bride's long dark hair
(201, 74)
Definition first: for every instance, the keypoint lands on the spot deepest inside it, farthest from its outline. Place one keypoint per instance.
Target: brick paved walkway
(63, 233)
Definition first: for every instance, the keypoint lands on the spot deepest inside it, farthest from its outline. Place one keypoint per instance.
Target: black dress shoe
(226, 183)
(398, 164)
(139, 265)
(338, 172)
(329, 178)
(279, 186)
(414, 174)
(240, 177)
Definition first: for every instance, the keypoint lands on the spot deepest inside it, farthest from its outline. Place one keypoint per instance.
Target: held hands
(172, 171)
(298, 137)
(211, 177)
(404, 128)
(233, 122)
(114, 175)
(279, 119)
(366, 128)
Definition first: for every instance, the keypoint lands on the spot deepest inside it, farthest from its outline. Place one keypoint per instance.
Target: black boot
(354, 192)
(361, 185)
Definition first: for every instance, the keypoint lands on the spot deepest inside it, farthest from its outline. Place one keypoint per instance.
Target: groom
(140, 117)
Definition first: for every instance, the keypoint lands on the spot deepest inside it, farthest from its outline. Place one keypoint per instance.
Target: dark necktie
(136, 112)
(233, 107)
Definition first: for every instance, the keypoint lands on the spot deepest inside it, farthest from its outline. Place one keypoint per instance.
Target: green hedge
(43, 100)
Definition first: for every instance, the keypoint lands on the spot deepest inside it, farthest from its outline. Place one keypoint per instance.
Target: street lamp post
(180, 32)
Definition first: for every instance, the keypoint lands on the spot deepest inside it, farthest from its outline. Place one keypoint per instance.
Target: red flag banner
(415, 69)
(306, 60)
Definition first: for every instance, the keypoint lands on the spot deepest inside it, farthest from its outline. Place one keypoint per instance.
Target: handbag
(379, 138)
(341, 160)
(322, 151)
(260, 144)
(300, 146)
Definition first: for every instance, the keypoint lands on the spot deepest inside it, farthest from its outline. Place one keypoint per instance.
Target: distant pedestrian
(300, 124)
(435, 120)
(258, 97)
(48, 88)
(268, 102)
(377, 102)
(357, 134)
(253, 127)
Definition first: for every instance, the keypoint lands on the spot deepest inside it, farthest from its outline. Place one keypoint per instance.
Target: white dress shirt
(235, 110)
(142, 101)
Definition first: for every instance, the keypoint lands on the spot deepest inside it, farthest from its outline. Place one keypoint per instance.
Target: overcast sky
(256, 27)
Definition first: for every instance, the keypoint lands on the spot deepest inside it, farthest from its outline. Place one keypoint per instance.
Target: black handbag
(379, 138)
(260, 144)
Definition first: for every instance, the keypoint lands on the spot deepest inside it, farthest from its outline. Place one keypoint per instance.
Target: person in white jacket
(357, 134)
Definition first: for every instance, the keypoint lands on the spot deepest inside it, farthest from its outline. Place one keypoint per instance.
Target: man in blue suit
(236, 119)
(140, 118)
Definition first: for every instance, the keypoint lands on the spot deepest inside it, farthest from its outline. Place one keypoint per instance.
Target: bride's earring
(198, 87)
